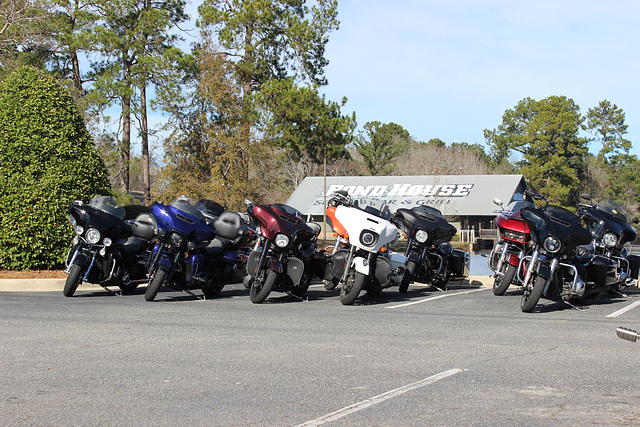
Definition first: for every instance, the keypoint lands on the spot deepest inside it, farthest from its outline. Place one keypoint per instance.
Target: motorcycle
(286, 257)
(196, 249)
(610, 229)
(364, 262)
(514, 242)
(107, 250)
(430, 256)
(561, 266)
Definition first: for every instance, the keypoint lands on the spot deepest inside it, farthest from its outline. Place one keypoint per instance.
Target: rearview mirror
(498, 202)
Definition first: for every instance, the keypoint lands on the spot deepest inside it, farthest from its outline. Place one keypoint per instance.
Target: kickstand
(118, 294)
(194, 295)
(291, 294)
(620, 293)
(571, 305)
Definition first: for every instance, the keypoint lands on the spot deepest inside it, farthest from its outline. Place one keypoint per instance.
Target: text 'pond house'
(465, 200)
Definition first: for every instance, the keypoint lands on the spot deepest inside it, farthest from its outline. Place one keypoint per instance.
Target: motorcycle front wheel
(503, 279)
(352, 287)
(73, 280)
(155, 284)
(531, 297)
(408, 276)
(262, 285)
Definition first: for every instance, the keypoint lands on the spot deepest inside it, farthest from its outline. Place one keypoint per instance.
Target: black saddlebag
(458, 263)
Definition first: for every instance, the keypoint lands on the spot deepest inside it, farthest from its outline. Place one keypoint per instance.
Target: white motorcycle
(365, 261)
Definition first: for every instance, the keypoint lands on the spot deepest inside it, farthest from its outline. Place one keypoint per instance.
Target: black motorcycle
(430, 257)
(107, 250)
(561, 267)
(610, 229)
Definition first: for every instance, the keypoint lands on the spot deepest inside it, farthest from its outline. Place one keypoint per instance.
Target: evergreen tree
(47, 160)
(381, 144)
(606, 123)
(545, 133)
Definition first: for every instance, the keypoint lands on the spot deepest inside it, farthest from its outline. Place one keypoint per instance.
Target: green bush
(47, 160)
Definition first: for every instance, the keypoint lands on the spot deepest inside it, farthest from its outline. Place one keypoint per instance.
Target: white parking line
(448, 294)
(624, 310)
(380, 398)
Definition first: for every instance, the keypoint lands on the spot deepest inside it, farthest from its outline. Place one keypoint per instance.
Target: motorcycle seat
(134, 245)
(144, 225)
(229, 225)
(217, 247)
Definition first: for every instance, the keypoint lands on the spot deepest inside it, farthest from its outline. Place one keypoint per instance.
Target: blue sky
(450, 69)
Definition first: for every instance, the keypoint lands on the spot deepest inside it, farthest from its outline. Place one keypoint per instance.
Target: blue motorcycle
(197, 247)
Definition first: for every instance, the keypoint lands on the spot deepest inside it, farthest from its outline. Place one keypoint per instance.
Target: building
(466, 200)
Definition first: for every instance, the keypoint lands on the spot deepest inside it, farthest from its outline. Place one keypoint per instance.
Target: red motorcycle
(286, 257)
(513, 244)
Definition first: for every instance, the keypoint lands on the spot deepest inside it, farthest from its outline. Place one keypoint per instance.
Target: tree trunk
(144, 130)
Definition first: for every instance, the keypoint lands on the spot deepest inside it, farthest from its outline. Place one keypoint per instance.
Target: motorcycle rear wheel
(155, 284)
(351, 288)
(74, 279)
(128, 288)
(503, 279)
(440, 282)
(262, 285)
(531, 297)
(212, 291)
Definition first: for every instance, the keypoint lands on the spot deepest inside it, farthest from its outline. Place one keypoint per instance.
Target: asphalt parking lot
(461, 357)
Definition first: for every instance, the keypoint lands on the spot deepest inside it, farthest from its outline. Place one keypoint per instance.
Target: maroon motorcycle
(286, 257)
(513, 244)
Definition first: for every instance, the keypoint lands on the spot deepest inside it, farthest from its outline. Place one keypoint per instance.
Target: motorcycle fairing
(356, 221)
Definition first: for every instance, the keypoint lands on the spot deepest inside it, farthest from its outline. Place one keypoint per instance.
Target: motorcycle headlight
(422, 236)
(552, 244)
(610, 240)
(282, 240)
(107, 241)
(72, 220)
(92, 236)
(368, 238)
(176, 240)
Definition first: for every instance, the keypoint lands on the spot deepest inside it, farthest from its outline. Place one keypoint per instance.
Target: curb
(56, 285)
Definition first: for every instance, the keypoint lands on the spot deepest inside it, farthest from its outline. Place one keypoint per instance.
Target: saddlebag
(458, 263)
(634, 265)
(599, 271)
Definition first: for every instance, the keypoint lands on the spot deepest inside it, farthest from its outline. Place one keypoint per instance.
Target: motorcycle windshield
(516, 205)
(614, 209)
(428, 210)
(288, 209)
(108, 205)
(209, 208)
(184, 204)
